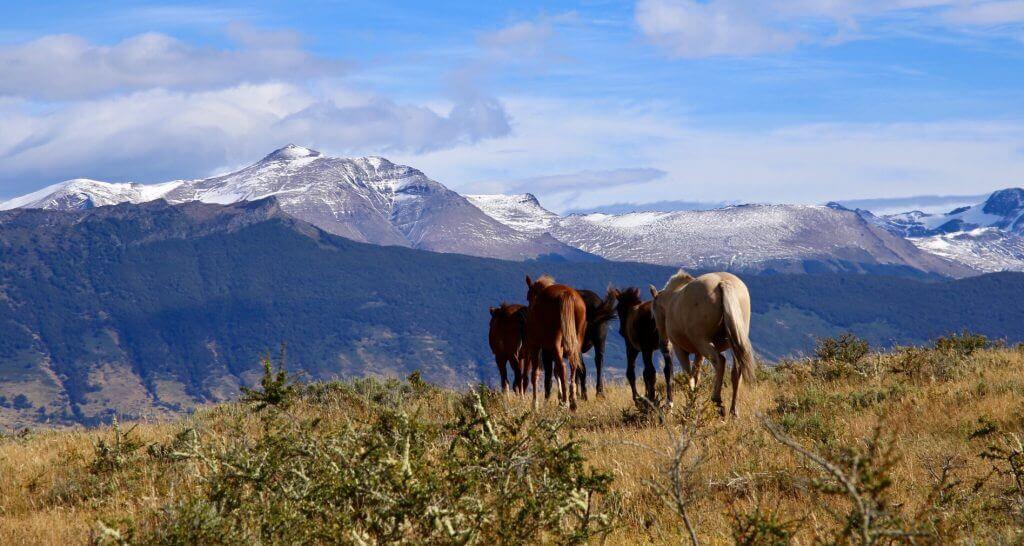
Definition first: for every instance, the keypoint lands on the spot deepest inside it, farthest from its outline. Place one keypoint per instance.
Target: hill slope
(135, 309)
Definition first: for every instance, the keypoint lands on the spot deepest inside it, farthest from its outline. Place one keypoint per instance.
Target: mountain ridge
(371, 199)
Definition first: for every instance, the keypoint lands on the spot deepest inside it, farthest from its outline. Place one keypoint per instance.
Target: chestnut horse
(639, 331)
(599, 314)
(707, 316)
(507, 332)
(556, 321)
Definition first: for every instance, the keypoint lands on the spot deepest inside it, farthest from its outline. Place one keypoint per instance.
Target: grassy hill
(145, 311)
(913, 445)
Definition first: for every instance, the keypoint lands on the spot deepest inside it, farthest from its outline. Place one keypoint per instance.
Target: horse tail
(737, 327)
(570, 331)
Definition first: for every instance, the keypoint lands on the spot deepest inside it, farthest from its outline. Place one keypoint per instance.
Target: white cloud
(70, 67)
(692, 28)
(688, 28)
(589, 180)
(798, 163)
(159, 134)
(1000, 12)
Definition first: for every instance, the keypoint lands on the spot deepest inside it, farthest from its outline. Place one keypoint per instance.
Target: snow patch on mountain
(522, 212)
(744, 237)
(986, 249)
(368, 199)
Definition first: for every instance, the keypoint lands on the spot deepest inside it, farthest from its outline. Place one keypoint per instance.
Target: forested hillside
(146, 309)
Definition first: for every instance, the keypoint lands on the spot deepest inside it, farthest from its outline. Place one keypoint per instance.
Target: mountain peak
(1005, 202)
(290, 152)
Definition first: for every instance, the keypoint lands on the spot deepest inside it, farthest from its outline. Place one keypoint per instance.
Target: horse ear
(612, 292)
(528, 281)
(654, 291)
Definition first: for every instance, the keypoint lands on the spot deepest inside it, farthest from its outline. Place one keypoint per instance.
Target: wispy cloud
(69, 67)
(588, 180)
(161, 134)
(692, 28)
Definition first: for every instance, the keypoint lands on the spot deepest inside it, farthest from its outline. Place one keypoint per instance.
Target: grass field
(917, 446)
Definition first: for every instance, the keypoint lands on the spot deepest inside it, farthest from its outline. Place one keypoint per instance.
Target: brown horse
(599, 314)
(639, 331)
(507, 332)
(707, 316)
(556, 321)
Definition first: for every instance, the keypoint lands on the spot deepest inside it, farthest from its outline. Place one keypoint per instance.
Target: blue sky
(584, 104)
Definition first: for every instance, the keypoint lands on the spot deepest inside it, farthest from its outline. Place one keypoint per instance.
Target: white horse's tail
(570, 334)
(737, 327)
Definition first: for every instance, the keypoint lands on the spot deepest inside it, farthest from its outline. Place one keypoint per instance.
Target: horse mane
(604, 312)
(544, 281)
(630, 296)
(677, 281)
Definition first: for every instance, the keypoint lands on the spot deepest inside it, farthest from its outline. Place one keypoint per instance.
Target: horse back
(544, 314)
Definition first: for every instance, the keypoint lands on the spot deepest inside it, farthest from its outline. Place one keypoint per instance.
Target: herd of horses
(703, 316)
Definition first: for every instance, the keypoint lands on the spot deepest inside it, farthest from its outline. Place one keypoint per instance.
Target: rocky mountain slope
(365, 199)
(372, 200)
(759, 238)
(988, 236)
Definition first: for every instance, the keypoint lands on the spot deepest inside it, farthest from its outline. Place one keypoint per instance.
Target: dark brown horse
(506, 336)
(599, 314)
(556, 321)
(640, 332)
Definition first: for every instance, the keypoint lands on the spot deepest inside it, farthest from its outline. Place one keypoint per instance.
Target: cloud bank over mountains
(585, 105)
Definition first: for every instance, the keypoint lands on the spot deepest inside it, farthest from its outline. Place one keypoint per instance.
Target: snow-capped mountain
(789, 238)
(988, 236)
(367, 199)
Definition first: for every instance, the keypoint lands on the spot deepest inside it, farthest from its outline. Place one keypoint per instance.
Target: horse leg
(668, 376)
(684, 359)
(631, 355)
(737, 378)
(562, 372)
(698, 363)
(650, 375)
(598, 365)
(573, 382)
(712, 354)
(503, 371)
(517, 374)
(546, 356)
(534, 371)
(581, 378)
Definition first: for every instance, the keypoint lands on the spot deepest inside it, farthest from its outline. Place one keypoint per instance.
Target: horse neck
(625, 317)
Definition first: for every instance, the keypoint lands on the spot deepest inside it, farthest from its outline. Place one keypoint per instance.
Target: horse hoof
(669, 404)
(693, 384)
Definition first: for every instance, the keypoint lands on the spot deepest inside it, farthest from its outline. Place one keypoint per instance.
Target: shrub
(276, 389)
(112, 455)
(847, 349)
(762, 528)
(962, 344)
(394, 478)
(861, 474)
(929, 364)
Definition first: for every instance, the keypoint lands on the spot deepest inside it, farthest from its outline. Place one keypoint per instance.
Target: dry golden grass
(926, 405)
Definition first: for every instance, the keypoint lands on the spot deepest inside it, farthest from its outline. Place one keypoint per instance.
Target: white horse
(707, 316)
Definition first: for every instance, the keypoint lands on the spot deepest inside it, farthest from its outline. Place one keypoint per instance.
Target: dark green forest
(187, 295)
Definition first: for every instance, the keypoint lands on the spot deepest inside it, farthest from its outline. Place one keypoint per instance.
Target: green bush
(395, 478)
(847, 348)
(962, 344)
